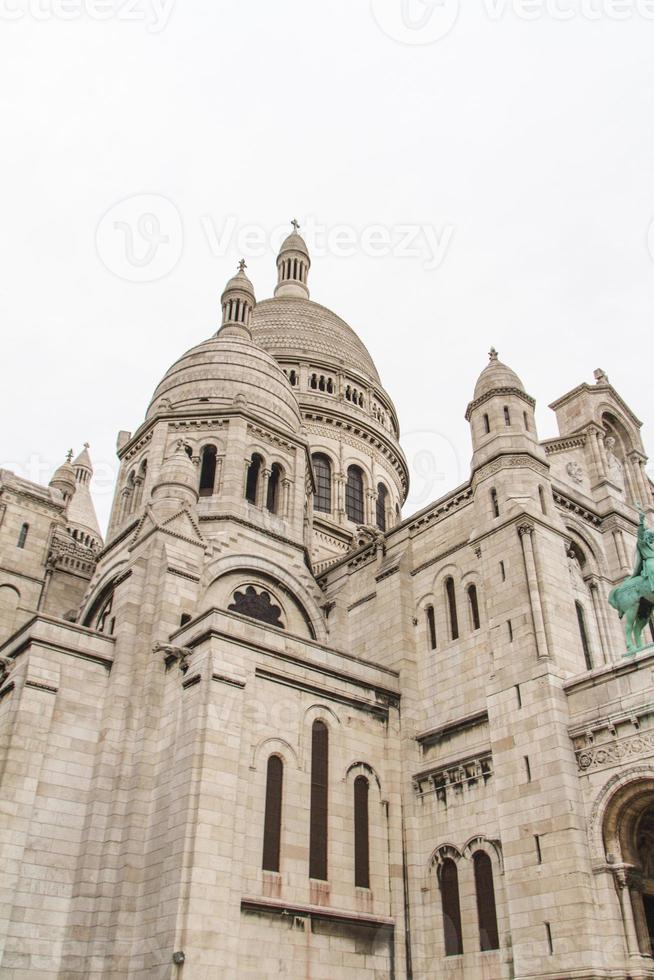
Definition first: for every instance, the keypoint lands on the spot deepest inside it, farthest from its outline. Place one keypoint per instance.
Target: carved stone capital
(525, 529)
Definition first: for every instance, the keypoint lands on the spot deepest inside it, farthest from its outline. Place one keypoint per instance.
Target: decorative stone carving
(7, 664)
(575, 472)
(607, 754)
(173, 654)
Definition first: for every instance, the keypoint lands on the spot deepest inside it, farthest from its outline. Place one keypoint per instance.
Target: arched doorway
(645, 853)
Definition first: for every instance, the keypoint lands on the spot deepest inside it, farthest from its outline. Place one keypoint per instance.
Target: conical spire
(293, 264)
(237, 302)
(81, 514)
(63, 478)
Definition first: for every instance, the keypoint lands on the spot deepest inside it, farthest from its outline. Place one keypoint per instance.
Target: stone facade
(269, 728)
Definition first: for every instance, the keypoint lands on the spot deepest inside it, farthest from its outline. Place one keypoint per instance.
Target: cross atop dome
(296, 225)
(242, 266)
(493, 354)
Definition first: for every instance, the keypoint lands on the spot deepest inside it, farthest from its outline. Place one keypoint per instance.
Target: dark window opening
(361, 838)
(518, 695)
(272, 824)
(208, 471)
(486, 910)
(527, 768)
(184, 619)
(451, 605)
(526, 420)
(495, 504)
(319, 788)
(541, 497)
(486, 424)
(451, 908)
(503, 571)
(257, 605)
(474, 606)
(252, 479)
(354, 495)
(22, 536)
(274, 489)
(382, 497)
(548, 935)
(431, 626)
(507, 415)
(539, 853)
(322, 469)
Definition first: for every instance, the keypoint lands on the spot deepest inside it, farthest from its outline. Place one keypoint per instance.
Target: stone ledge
(361, 919)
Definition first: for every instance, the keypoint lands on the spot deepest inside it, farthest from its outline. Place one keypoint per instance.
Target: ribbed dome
(294, 243)
(496, 375)
(226, 371)
(296, 327)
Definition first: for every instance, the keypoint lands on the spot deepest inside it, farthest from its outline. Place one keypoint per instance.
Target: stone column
(621, 876)
(598, 609)
(593, 433)
(635, 464)
(526, 531)
(620, 548)
(262, 488)
(286, 497)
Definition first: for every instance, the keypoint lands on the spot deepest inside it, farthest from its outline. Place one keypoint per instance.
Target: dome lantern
(293, 264)
(237, 302)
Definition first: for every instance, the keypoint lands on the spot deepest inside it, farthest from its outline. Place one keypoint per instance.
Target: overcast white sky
(520, 151)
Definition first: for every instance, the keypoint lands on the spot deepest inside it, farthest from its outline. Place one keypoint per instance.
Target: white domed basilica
(272, 728)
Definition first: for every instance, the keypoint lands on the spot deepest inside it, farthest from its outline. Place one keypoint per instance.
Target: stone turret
(293, 264)
(63, 478)
(81, 517)
(237, 302)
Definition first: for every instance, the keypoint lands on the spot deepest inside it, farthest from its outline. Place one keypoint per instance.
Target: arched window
(354, 495)
(382, 498)
(486, 424)
(274, 489)
(252, 479)
(208, 471)
(451, 606)
(583, 633)
(322, 468)
(495, 504)
(449, 881)
(431, 626)
(486, 911)
(474, 606)
(361, 833)
(272, 823)
(22, 536)
(507, 415)
(319, 780)
(106, 621)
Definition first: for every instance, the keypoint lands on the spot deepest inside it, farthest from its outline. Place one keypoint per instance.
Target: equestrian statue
(634, 598)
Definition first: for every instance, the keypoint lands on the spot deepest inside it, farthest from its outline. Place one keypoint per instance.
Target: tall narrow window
(486, 911)
(451, 606)
(322, 469)
(583, 633)
(319, 780)
(22, 536)
(361, 838)
(541, 497)
(272, 824)
(274, 489)
(507, 415)
(526, 420)
(474, 607)
(495, 504)
(252, 479)
(208, 471)
(354, 495)
(382, 499)
(451, 908)
(431, 627)
(486, 424)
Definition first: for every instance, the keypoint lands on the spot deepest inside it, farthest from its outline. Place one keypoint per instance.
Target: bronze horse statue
(634, 598)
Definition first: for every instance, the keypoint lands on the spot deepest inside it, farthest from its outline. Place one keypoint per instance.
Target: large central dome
(290, 325)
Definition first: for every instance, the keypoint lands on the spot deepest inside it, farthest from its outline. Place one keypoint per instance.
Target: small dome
(496, 375)
(63, 477)
(294, 243)
(221, 371)
(240, 282)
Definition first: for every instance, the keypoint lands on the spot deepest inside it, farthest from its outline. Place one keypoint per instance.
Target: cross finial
(242, 266)
(69, 455)
(493, 354)
(87, 445)
(296, 225)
